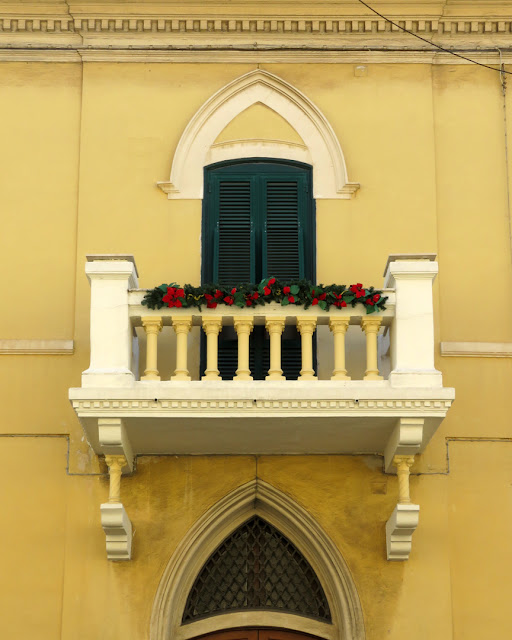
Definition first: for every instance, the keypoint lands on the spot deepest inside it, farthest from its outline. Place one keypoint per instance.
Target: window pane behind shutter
(234, 239)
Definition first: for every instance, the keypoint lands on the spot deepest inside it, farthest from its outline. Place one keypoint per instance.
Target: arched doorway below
(257, 634)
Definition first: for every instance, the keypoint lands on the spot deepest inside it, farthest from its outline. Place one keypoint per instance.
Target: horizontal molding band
(36, 347)
(477, 349)
(247, 55)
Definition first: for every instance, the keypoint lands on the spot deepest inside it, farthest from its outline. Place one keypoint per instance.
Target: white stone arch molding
(196, 147)
(256, 498)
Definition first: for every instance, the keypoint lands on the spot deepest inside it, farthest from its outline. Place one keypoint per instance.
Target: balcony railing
(116, 311)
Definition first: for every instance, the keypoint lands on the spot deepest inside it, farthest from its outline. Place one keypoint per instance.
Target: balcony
(178, 415)
(393, 411)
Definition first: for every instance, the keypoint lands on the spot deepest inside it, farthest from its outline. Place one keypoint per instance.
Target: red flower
(267, 291)
(218, 294)
(360, 293)
(208, 297)
(339, 301)
(322, 296)
(255, 295)
(376, 297)
(271, 281)
(229, 300)
(315, 301)
(233, 291)
(291, 299)
(178, 303)
(169, 296)
(171, 304)
(211, 304)
(286, 289)
(370, 302)
(248, 303)
(313, 292)
(180, 293)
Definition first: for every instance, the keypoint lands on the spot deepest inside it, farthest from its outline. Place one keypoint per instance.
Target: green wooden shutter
(258, 221)
(233, 259)
(282, 250)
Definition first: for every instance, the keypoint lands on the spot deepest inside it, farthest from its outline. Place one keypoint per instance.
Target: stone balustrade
(116, 311)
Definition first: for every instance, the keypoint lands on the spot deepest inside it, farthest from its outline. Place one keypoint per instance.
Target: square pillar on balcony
(412, 329)
(111, 332)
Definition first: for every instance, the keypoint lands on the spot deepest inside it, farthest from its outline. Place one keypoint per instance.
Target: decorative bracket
(404, 519)
(114, 441)
(114, 519)
(405, 440)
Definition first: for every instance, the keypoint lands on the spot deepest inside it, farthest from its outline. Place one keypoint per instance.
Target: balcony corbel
(114, 519)
(404, 519)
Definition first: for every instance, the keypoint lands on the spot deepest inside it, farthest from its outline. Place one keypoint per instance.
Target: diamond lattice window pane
(257, 567)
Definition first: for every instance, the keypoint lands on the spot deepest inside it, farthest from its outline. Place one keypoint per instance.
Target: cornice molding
(273, 32)
(124, 22)
(127, 408)
(160, 23)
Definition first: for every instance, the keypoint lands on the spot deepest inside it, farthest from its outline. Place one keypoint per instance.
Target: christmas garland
(298, 292)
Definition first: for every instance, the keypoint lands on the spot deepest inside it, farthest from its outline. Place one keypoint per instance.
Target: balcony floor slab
(292, 417)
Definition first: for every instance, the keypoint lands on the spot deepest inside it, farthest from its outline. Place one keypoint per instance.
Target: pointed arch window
(257, 568)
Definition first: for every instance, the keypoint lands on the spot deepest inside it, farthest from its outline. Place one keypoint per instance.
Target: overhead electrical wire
(433, 44)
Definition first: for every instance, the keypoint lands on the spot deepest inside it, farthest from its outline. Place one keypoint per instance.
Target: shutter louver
(234, 236)
(282, 230)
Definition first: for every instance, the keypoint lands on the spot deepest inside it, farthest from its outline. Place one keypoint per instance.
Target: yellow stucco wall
(87, 143)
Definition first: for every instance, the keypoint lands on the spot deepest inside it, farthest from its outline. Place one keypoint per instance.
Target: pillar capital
(371, 324)
(339, 325)
(403, 462)
(243, 324)
(212, 324)
(275, 324)
(306, 324)
(115, 462)
(152, 324)
(182, 324)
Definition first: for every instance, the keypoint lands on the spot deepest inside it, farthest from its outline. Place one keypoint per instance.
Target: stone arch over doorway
(197, 147)
(256, 498)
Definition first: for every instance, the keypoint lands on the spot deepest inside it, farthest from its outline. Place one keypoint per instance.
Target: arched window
(219, 553)
(257, 567)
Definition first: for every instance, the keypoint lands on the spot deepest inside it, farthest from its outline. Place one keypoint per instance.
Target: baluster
(306, 326)
(182, 326)
(212, 327)
(152, 326)
(371, 328)
(243, 327)
(339, 327)
(275, 327)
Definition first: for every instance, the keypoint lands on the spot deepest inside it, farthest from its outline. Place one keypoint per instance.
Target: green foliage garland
(297, 292)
